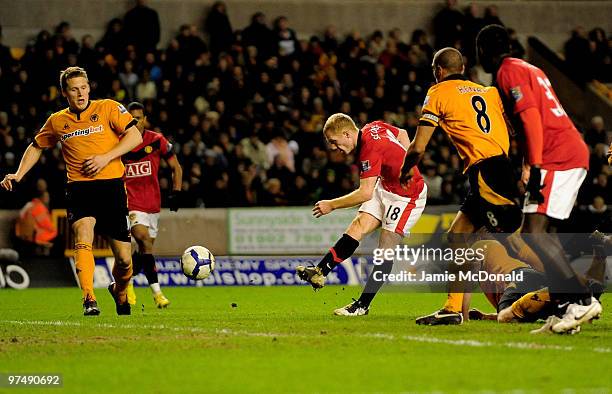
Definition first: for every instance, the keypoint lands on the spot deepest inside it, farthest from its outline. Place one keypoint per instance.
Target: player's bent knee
(362, 225)
(145, 245)
(83, 230)
(123, 260)
(356, 229)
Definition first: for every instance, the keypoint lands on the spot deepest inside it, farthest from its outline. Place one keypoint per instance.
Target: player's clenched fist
(321, 208)
(406, 175)
(7, 182)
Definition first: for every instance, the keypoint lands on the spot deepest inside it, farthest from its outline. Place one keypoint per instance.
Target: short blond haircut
(339, 122)
(69, 73)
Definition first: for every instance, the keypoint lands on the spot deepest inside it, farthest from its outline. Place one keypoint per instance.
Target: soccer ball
(197, 262)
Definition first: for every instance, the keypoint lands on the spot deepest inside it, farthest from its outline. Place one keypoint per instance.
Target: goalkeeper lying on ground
(529, 300)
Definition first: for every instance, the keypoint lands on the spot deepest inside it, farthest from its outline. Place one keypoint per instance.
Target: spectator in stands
(517, 49)
(597, 133)
(491, 16)
(473, 23)
(273, 194)
(129, 80)
(114, 40)
(434, 183)
(449, 25)
(602, 53)
(141, 26)
(420, 39)
(63, 34)
(6, 59)
(256, 151)
(88, 56)
(259, 35)
(598, 213)
(330, 39)
(146, 89)
(219, 29)
(299, 192)
(34, 226)
(578, 55)
(190, 46)
(288, 44)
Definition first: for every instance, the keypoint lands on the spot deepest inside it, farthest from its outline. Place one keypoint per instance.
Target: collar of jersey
(78, 113)
(452, 77)
(358, 147)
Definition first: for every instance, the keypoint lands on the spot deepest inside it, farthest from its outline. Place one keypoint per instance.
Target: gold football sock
(85, 269)
(454, 302)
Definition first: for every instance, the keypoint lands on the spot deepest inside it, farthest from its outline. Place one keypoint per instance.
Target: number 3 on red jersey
(557, 109)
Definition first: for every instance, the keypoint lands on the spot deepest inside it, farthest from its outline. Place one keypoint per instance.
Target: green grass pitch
(285, 339)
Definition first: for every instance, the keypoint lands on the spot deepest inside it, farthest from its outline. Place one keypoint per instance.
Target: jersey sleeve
(432, 112)
(46, 137)
(370, 160)
(516, 86)
(165, 148)
(119, 117)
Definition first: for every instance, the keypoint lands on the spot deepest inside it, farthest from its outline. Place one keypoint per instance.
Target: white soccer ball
(197, 262)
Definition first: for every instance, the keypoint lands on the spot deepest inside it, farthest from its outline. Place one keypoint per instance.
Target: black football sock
(148, 262)
(375, 282)
(136, 264)
(342, 250)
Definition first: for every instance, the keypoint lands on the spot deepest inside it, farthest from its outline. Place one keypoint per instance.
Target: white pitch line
(225, 331)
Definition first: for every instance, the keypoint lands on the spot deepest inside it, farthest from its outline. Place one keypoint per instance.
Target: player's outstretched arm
(356, 197)
(130, 140)
(30, 157)
(416, 150)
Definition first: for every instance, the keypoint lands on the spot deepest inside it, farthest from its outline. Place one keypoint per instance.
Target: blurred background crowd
(244, 106)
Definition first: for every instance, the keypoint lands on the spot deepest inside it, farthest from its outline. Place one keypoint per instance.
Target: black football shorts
(105, 200)
(493, 199)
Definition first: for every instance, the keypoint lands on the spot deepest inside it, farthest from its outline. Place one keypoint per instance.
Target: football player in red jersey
(380, 149)
(557, 160)
(144, 198)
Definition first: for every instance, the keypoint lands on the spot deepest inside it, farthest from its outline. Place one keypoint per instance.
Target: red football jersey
(526, 86)
(141, 167)
(381, 154)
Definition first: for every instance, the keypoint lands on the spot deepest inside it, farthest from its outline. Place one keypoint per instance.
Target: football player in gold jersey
(93, 134)
(472, 116)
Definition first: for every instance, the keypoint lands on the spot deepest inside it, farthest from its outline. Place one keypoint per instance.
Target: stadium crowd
(589, 55)
(244, 108)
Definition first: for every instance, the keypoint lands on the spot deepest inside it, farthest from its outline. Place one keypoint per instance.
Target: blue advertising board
(238, 271)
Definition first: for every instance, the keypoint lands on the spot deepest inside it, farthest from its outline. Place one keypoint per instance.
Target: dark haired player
(93, 134)
(557, 160)
(144, 198)
(472, 115)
